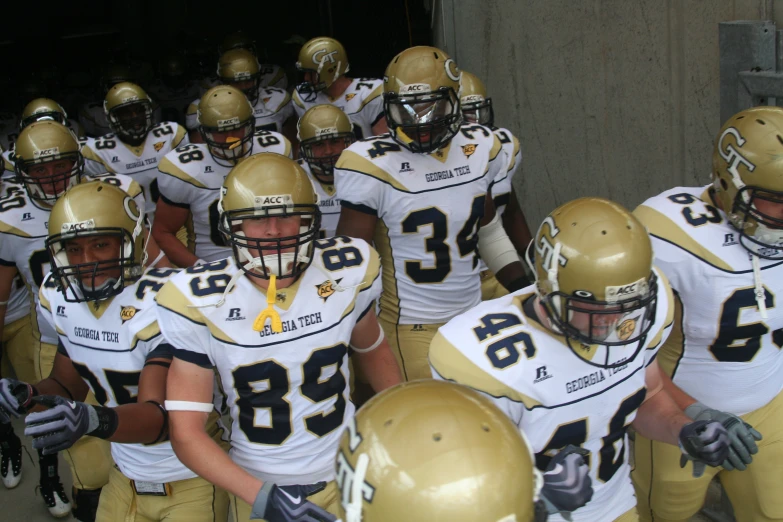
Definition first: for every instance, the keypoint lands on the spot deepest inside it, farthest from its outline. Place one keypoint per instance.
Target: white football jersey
(328, 202)
(272, 76)
(429, 207)
(271, 110)
(190, 178)
(19, 300)
(556, 397)
(173, 103)
(109, 346)
(723, 353)
(362, 102)
(288, 393)
(501, 190)
(23, 232)
(140, 162)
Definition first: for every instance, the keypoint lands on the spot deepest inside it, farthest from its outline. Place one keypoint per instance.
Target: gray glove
(567, 483)
(59, 427)
(742, 436)
(705, 443)
(15, 399)
(289, 504)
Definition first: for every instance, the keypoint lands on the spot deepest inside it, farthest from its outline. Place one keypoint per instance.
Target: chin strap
(759, 290)
(269, 312)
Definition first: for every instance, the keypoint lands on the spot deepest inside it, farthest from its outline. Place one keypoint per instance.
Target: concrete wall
(613, 98)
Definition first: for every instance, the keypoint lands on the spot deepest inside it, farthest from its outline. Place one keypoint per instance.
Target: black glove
(15, 399)
(705, 443)
(289, 504)
(567, 482)
(59, 427)
(742, 436)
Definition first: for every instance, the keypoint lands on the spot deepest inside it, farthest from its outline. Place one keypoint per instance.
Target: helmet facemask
(44, 116)
(477, 109)
(249, 84)
(65, 172)
(79, 281)
(309, 83)
(322, 166)
(284, 257)
(231, 141)
(131, 121)
(423, 122)
(760, 233)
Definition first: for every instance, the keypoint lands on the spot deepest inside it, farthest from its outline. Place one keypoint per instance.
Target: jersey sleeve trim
(61, 349)
(179, 136)
(453, 365)
(378, 91)
(661, 227)
(296, 100)
(373, 271)
(168, 167)
(496, 147)
(673, 350)
(353, 162)
(174, 203)
(359, 208)
(162, 351)
(199, 359)
(4, 262)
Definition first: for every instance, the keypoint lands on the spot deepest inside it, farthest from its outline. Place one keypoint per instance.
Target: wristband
(107, 421)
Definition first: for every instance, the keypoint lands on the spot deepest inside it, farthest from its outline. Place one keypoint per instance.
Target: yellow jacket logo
(326, 289)
(349, 97)
(159, 145)
(469, 149)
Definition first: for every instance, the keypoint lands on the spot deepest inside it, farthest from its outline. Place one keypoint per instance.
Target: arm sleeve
(182, 327)
(356, 185)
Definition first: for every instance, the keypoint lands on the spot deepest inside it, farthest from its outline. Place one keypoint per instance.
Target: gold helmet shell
(326, 58)
(94, 209)
(42, 109)
(128, 108)
(321, 123)
(434, 450)
(238, 40)
(50, 145)
(476, 105)
(239, 68)
(223, 109)
(594, 259)
(420, 98)
(747, 170)
(273, 186)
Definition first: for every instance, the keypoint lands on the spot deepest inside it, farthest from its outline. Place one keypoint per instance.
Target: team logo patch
(127, 313)
(469, 149)
(266, 100)
(326, 289)
(349, 97)
(626, 329)
(159, 145)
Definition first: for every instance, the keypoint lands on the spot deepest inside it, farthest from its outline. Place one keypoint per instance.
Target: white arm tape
(375, 345)
(203, 407)
(160, 256)
(495, 247)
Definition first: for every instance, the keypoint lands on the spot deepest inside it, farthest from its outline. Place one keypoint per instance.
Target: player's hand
(59, 427)
(567, 483)
(705, 443)
(15, 399)
(289, 504)
(742, 436)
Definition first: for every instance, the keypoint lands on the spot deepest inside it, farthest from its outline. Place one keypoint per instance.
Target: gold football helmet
(129, 111)
(420, 99)
(476, 106)
(48, 160)
(42, 109)
(324, 132)
(593, 266)
(269, 186)
(226, 124)
(114, 253)
(239, 68)
(747, 173)
(238, 40)
(433, 450)
(321, 60)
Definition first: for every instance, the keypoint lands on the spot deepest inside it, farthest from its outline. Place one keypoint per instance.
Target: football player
(324, 132)
(423, 194)
(477, 108)
(49, 161)
(48, 109)
(272, 107)
(101, 301)
(571, 360)
(323, 64)
(271, 75)
(174, 89)
(191, 176)
(92, 115)
(721, 247)
(136, 146)
(468, 460)
(320, 303)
